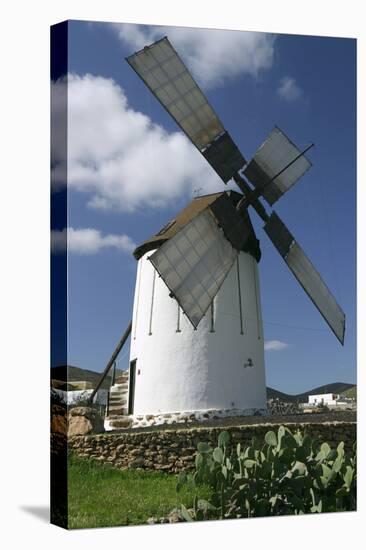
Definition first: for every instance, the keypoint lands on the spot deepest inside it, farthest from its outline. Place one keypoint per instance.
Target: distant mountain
(352, 392)
(276, 394)
(68, 373)
(335, 387)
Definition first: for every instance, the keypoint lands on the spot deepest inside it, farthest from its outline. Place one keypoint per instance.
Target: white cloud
(275, 345)
(289, 89)
(117, 155)
(211, 55)
(88, 241)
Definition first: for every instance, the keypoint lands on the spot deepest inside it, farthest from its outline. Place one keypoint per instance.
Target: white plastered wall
(182, 369)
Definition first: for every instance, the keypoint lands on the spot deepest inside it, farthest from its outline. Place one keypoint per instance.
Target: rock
(84, 420)
(120, 422)
(152, 521)
(135, 452)
(79, 425)
(58, 419)
(188, 458)
(163, 467)
(139, 461)
(79, 411)
(188, 451)
(163, 520)
(174, 516)
(58, 424)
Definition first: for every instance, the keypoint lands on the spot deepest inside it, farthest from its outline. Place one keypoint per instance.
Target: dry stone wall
(174, 450)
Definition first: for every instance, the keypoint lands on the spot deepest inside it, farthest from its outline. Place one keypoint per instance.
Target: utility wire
(275, 323)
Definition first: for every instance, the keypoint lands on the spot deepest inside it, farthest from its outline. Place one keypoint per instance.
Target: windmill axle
(250, 198)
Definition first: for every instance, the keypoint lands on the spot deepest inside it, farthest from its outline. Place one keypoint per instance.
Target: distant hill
(68, 373)
(276, 394)
(352, 392)
(336, 387)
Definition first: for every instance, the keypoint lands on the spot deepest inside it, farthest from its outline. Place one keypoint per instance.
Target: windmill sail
(194, 264)
(165, 74)
(266, 170)
(306, 274)
(196, 260)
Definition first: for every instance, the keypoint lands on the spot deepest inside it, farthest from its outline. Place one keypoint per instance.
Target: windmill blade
(167, 77)
(276, 166)
(306, 274)
(194, 264)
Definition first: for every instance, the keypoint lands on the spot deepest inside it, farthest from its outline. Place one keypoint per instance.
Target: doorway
(131, 387)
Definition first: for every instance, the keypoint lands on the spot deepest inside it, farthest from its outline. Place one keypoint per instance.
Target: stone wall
(174, 450)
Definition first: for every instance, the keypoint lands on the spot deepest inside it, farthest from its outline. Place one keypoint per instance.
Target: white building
(178, 373)
(323, 399)
(75, 396)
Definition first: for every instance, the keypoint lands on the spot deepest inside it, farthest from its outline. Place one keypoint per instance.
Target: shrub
(285, 474)
(56, 398)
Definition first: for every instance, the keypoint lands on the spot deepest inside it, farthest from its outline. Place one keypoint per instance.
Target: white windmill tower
(197, 347)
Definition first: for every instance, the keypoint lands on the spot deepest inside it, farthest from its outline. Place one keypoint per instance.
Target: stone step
(118, 394)
(118, 424)
(121, 411)
(115, 423)
(118, 397)
(118, 411)
(117, 402)
(118, 406)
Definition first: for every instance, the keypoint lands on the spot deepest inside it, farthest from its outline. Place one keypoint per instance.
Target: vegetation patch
(283, 472)
(287, 473)
(103, 496)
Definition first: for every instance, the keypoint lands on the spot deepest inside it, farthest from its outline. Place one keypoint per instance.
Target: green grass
(103, 496)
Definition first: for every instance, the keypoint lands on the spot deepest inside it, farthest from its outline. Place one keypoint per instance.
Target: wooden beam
(110, 363)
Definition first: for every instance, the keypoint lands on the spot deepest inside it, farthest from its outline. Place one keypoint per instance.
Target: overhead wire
(276, 323)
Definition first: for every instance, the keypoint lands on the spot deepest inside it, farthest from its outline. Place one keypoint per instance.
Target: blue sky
(130, 171)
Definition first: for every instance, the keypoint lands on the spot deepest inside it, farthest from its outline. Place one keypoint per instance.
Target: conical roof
(242, 235)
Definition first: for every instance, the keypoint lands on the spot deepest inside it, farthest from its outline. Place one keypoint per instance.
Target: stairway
(117, 412)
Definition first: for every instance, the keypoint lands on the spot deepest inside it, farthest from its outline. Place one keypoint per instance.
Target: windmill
(197, 347)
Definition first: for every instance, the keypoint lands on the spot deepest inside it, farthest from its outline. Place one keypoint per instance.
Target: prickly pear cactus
(284, 474)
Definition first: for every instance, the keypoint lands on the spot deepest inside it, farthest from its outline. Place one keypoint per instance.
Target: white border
(25, 267)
